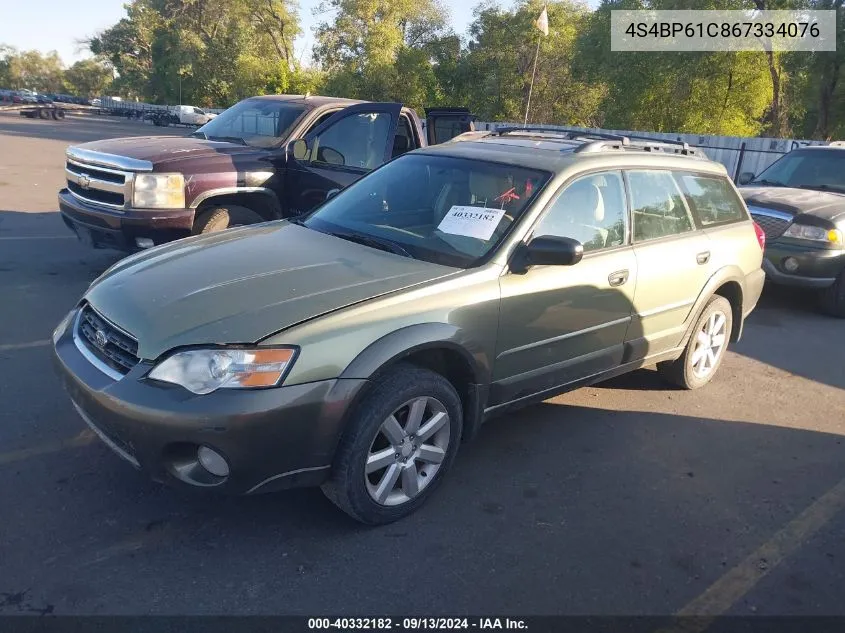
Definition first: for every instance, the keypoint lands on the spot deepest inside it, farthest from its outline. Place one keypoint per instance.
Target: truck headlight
(202, 371)
(159, 191)
(814, 233)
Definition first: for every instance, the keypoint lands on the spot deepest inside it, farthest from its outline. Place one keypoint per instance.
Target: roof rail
(572, 134)
(660, 142)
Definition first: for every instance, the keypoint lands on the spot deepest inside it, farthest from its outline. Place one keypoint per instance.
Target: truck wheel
(705, 349)
(833, 298)
(44, 113)
(399, 443)
(58, 114)
(220, 218)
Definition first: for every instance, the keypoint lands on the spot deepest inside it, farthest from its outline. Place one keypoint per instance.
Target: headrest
(584, 202)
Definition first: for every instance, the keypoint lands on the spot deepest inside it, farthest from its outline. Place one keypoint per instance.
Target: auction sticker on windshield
(477, 222)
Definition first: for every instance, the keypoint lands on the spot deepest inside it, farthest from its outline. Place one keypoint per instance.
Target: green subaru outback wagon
(355, 348)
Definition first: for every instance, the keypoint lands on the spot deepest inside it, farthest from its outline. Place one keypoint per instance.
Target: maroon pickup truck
(262, 159)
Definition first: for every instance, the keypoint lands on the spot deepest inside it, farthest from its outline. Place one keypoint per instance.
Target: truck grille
(106, 342)
(99, 185)
(772, 227)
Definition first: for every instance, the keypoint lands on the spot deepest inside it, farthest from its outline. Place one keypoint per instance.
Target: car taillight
(761, 236)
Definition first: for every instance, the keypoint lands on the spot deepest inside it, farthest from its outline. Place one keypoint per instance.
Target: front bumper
(817, 267)
(271, 438)
(104, 227)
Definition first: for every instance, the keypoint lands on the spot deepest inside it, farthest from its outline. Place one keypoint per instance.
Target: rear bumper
(103, 227)
(817, 267)
(753, 289)
(271, 438)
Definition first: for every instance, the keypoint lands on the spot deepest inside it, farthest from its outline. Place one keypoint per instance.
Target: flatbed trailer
(43, 111)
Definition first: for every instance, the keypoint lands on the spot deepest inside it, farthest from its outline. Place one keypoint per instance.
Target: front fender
(405, 341)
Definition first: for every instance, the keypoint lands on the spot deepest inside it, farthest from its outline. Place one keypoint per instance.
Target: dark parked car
(356, 347)
(262, 159)
(800, 203)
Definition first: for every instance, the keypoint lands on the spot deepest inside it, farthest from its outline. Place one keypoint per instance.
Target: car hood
(821, 204)
(242, 285)
(160, 150)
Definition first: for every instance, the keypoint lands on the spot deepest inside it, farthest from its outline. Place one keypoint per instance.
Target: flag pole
(533, 74)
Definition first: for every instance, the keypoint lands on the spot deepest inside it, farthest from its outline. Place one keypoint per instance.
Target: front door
(562, 323)
(673, 258)
(342, 149)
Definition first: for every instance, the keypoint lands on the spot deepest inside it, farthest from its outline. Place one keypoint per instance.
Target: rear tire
(44, 113)
(833, 298)
(220, 218)
(390, 460)
(705, 349)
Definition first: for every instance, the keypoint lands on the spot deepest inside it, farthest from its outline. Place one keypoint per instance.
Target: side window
(657, 205)
(404, 139)
(358, 140)
(712, 199)
(590, 210)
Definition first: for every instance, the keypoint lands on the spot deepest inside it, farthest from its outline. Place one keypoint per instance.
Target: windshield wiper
(373, 242)
(227, 139)
(199, 134)
(767, 182)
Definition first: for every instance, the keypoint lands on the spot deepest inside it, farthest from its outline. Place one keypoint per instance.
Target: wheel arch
(439, 347)
(727, 282)
(259, 199)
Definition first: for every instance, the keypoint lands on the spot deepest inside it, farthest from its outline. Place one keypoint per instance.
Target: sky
(59, 25)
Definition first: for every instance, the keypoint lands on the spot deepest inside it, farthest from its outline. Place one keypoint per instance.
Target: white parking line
(10, 346)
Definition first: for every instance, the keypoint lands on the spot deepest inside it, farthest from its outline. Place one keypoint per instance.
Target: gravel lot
(626, 498)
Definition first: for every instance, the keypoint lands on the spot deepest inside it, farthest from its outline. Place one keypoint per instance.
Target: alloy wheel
(407, 451)
(709, 345)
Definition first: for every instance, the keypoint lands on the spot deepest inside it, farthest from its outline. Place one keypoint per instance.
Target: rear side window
(657, 205)
(711, 199)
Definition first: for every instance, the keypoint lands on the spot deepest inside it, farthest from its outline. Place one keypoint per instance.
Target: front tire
(832, 298)
(705, 349)
(220, 218)
(399, 444)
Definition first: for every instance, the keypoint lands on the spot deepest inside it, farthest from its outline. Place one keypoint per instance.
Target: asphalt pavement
(626, 498)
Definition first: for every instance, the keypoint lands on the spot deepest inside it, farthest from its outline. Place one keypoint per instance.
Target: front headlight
(159, 191)
(202, 371)
(814, 233)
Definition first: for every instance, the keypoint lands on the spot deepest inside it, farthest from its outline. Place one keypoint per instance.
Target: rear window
(711, 199)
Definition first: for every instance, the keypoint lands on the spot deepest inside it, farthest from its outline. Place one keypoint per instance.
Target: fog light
(790, 264)
(213, 461)
(144, 242)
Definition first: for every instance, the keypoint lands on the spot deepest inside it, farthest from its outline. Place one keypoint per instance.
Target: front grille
(93, 172)
(99, 185)
(772, 227)
(107, 342)
(96, 195)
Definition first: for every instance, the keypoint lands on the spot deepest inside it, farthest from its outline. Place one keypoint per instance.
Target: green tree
(88, 78)
(499, 64)
(382, 49)
(32, 70)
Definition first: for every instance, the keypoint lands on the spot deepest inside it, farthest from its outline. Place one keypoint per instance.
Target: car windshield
(256, 122)
(809, 169)
(441, 209)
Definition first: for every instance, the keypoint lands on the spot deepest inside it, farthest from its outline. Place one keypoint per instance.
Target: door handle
(703, 258)
(618, 278)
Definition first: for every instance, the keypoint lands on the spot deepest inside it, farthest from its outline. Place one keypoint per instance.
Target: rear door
(443, 124)
(674, 262)
(342, 149)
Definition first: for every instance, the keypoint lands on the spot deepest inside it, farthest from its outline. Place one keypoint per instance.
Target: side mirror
(299, 149)
(548, 250)
(745, 177)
